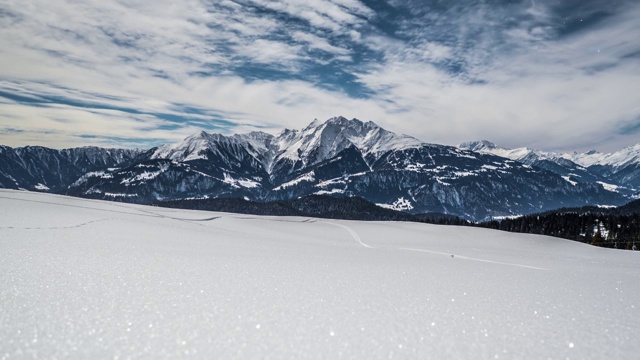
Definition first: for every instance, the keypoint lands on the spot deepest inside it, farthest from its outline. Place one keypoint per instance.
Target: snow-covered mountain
(342, 157)
(625, 157)
(322, 141)
(290, 150)
(338, 157)
(619, 170)
(524, 155)
(621, 167)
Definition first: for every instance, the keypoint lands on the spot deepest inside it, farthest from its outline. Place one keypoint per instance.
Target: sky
(551, 75)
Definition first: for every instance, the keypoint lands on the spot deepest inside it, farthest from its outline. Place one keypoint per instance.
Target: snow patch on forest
(568, 179)
(308, 177)
(401, 204)
(246, 183)
(42, 187)
(609, 187)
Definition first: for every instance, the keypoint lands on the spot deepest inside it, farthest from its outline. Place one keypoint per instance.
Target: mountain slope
(44, 169)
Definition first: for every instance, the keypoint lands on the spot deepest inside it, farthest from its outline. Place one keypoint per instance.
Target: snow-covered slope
(91, 279)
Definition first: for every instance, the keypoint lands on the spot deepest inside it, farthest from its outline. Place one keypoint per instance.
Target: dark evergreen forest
(320, 206)
(605, 230)
(612, 228)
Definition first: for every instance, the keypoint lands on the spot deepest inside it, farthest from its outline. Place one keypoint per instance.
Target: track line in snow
(474, 259)
(75, 206)
(205, 219)
(352, 232)
(132, 208)
(272, 218)
(176, 218)
(357, 238)
(53, 227)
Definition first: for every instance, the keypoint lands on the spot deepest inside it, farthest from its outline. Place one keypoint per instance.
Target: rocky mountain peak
(478, 145)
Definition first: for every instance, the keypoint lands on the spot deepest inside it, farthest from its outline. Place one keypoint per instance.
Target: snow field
(91, 279)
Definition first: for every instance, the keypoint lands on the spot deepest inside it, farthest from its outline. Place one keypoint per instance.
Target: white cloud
(270, 52)
(328, 15)
(519, 86)
(560, 94)
(316, 42)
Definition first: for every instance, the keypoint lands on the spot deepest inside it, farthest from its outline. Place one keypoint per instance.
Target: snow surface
(90, 279)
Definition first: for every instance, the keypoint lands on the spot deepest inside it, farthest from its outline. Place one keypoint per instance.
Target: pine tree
(597, 238)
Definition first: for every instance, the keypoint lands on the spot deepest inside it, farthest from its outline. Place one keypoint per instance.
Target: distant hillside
(631, 208)
(322, 206)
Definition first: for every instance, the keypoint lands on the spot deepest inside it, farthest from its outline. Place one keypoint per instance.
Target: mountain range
(618, 171)
(337, 157)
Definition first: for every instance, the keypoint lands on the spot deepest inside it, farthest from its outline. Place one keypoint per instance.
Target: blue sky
(553, 75)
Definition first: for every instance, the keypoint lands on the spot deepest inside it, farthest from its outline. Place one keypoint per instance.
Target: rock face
(337, 157)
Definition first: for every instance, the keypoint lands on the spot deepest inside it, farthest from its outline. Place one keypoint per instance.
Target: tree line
(598, 229)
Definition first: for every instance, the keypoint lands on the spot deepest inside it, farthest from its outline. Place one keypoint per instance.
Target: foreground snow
(90, 279)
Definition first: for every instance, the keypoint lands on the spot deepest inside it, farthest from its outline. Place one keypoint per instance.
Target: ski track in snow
(55, 227)
(352, 232)
(453, 256)
(128, 206)
(357, 238)
(105, 280)
(152, 213)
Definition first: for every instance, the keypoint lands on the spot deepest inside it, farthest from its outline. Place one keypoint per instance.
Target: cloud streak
(131, 73)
